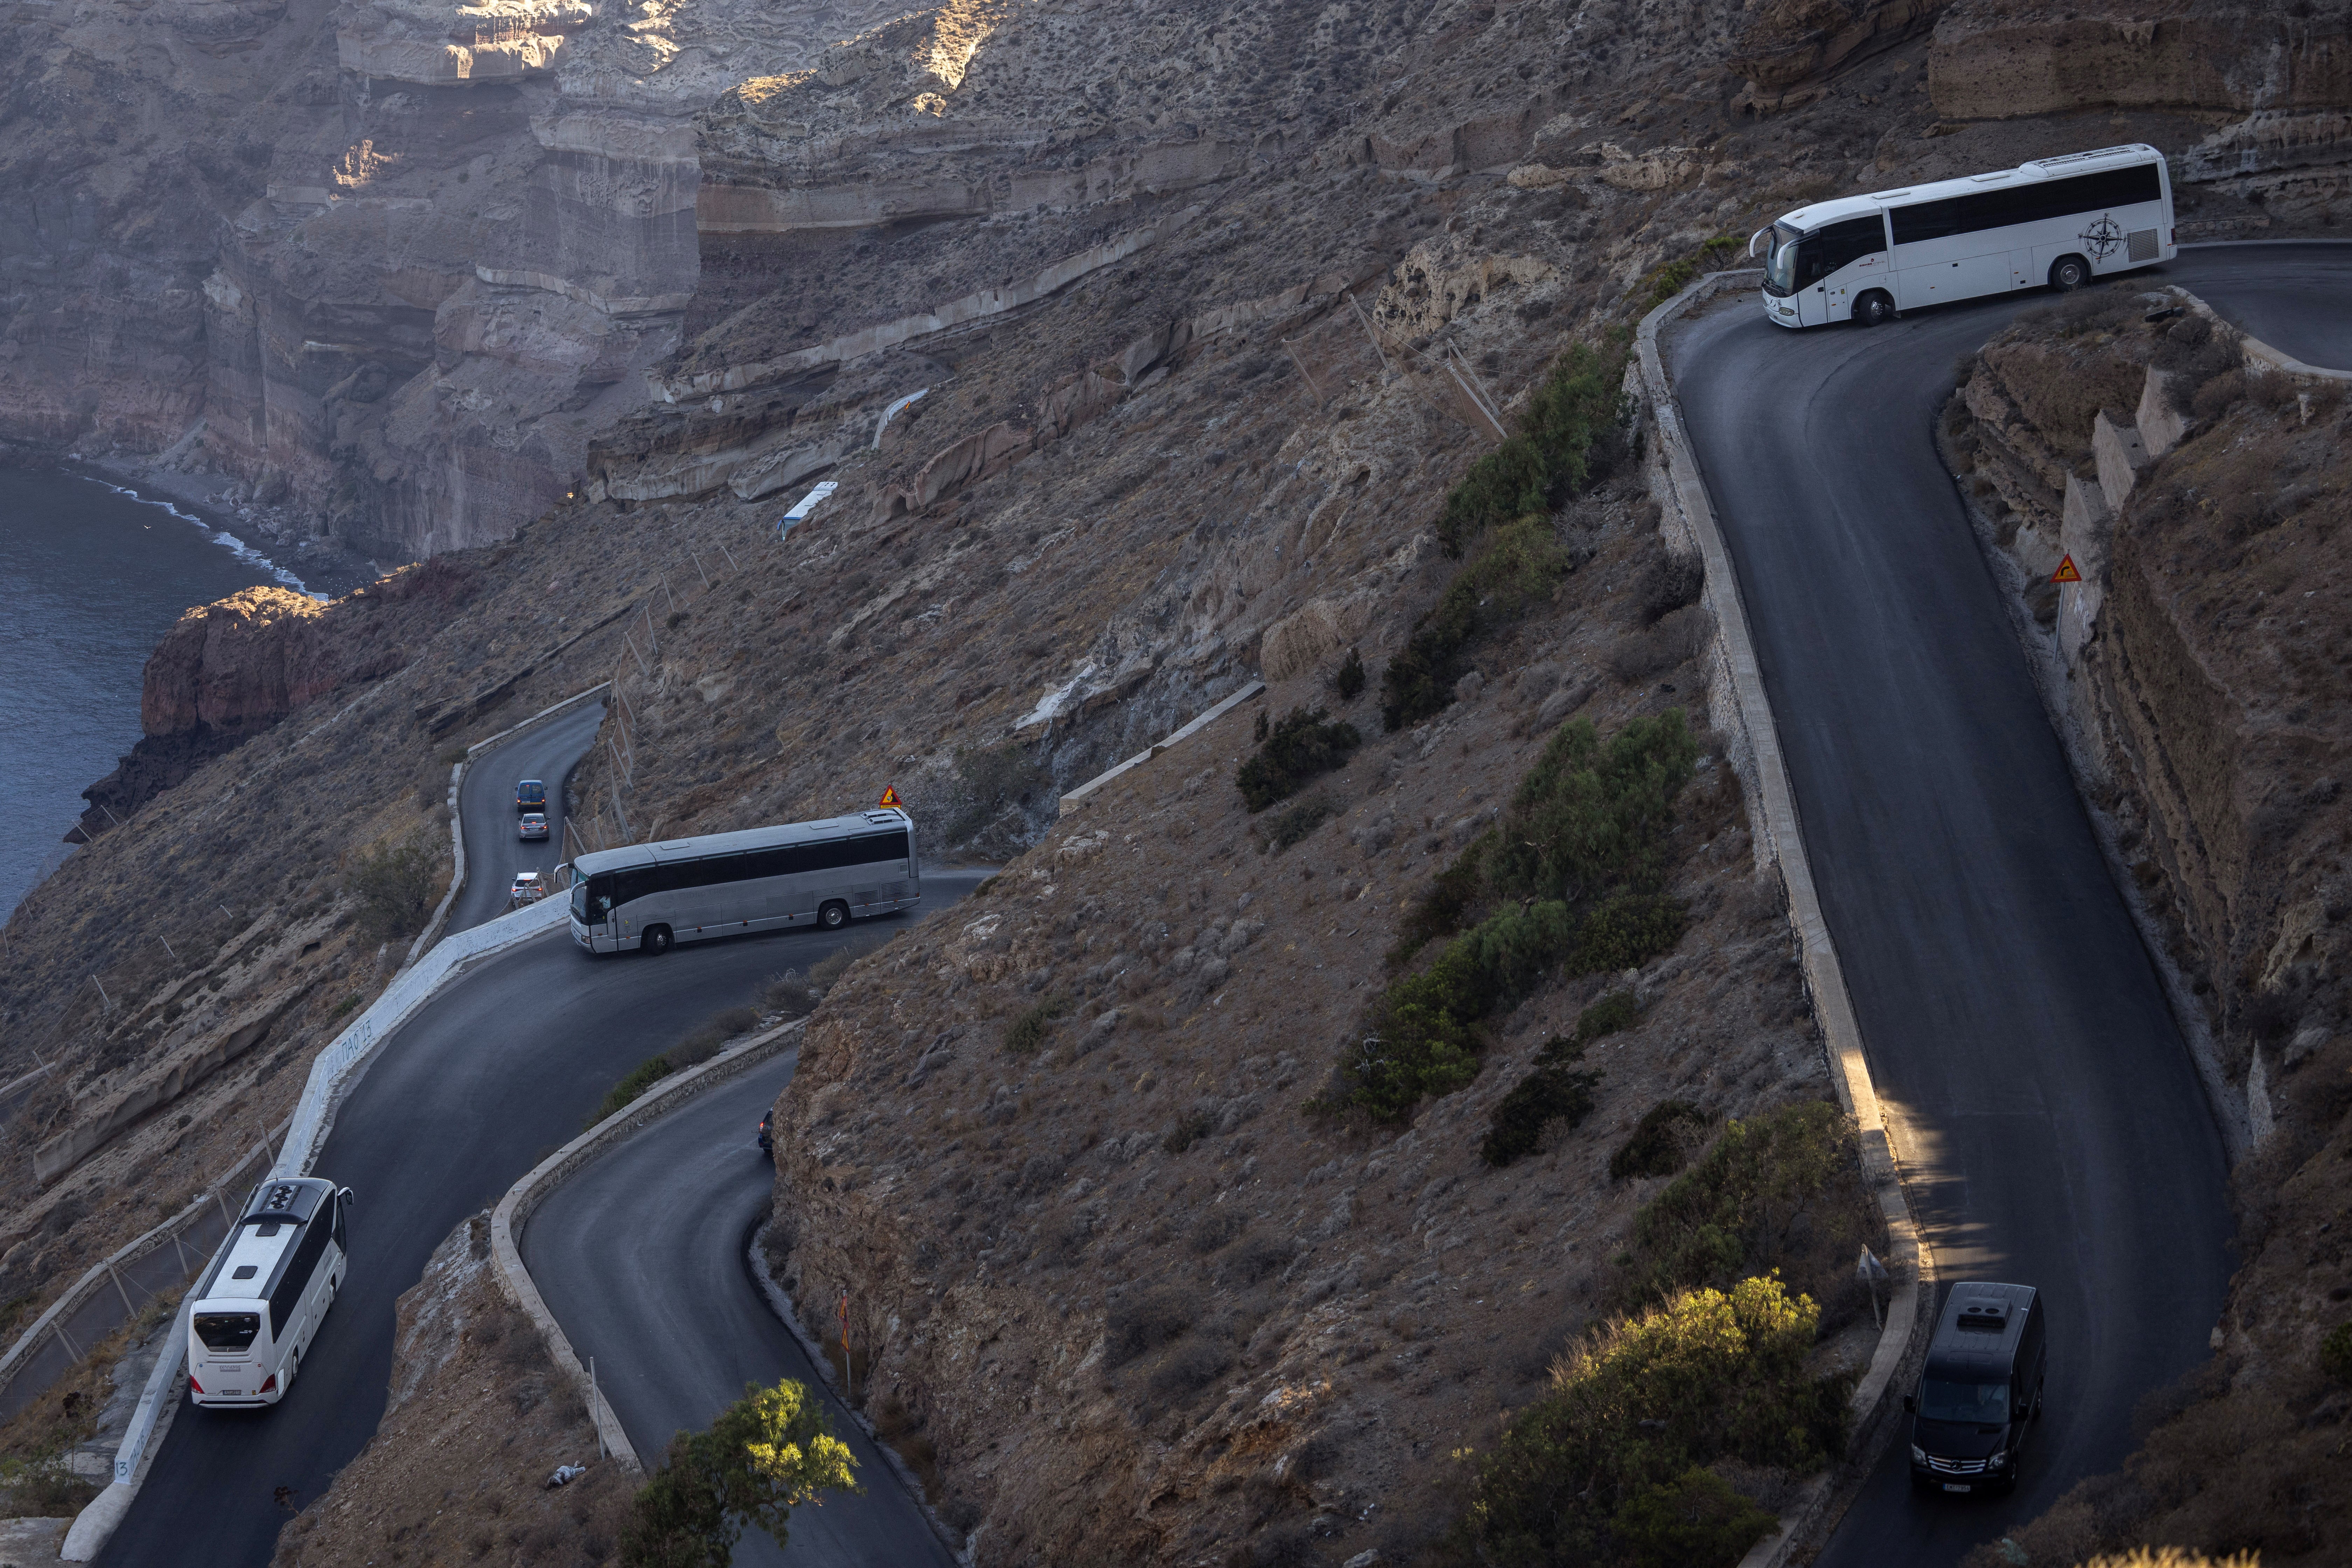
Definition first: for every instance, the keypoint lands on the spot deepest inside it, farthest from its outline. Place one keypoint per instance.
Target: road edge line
(1820, 1504)
(512, 1215)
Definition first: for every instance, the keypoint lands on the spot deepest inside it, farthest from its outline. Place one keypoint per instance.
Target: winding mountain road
(494, 853)
(2051, 1126)
(494, 1073)
(676, 1322)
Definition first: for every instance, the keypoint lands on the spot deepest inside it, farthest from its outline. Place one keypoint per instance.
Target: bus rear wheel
(1873, 309)
(2069, 273)
(834, 916)
(656, 940)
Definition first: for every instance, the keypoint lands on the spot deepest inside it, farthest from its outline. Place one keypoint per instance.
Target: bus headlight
(1919, 1455)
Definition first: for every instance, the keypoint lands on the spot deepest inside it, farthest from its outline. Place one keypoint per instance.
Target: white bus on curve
(2057, 221)
(650, 897)
(257, 1307)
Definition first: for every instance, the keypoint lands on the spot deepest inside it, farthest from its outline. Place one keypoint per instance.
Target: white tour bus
(2059, 221)
(256, 1309)
(650, 896)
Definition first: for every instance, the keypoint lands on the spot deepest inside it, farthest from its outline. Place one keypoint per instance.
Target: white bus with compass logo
(257, 1307)
(2055, 222)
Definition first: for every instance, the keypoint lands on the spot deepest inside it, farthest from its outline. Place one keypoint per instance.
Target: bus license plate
(1956, 1486)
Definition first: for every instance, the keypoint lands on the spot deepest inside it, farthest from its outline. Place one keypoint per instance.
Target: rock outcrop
(231, 670)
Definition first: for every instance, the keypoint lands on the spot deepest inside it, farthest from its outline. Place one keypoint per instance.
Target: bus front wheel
(2069, 273)
(1873, 309)
(834, 916)
(656, 940)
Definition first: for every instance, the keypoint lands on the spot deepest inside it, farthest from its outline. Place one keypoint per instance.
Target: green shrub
(1349, 681)
(2335, 1352)
(1773, 1190)
(1577, 402)
(1553, 1092)
(1627, 931)
(1441, 907)
(1288, 827)
(1613, 1013)
(1694, 1520)
(1583, 847)
(641, 1078)
(1670, 279)
(1707, 1375)
(1660, 1142)
(1304, 745)
(1516, 569)
(1589, 818)
(1189, 1129)
(1027, 1030)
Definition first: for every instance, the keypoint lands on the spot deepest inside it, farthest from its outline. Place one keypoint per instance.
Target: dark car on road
(530, 795)
(1981, 1393)
(767, 1138)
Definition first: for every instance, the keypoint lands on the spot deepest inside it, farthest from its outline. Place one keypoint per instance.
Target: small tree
(764, 1455)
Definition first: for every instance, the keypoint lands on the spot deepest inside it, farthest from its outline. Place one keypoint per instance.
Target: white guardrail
(332, 1074)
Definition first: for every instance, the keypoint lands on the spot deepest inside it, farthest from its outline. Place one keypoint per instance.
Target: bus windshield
(1946, 1399)
(580, 902)
(1780, 262)
(230, 1332)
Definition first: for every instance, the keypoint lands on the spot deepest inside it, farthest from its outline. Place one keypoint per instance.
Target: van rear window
(229, 1331)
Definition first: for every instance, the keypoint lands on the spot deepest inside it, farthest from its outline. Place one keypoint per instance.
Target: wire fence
(115, 1291)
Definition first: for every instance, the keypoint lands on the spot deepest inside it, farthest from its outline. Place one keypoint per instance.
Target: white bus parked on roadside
(652, 896)
(2057, 221)
(256, 1310)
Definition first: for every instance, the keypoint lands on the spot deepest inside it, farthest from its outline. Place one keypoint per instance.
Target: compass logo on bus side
(2103, 237)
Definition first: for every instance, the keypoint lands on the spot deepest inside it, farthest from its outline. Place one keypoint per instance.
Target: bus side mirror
(343, 1197)
(1754, 239)
(1911, 1403)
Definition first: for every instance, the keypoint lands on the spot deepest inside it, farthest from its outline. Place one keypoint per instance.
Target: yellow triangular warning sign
(2066, 572)
(891, 795)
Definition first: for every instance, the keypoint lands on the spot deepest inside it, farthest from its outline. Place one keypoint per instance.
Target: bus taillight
(269, 1383)
(193, 1386)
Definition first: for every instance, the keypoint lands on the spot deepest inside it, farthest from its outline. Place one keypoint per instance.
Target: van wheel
(1873, 309)
(2069, 273)
(656, 940)
(834, 916)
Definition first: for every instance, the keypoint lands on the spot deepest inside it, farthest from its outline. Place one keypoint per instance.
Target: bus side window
(1839, 245)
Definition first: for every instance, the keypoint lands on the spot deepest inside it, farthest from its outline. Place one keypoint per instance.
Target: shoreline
(288, 551)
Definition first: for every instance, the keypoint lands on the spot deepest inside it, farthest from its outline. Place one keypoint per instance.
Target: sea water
(92, 574)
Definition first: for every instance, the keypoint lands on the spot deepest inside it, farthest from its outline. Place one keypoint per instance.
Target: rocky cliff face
(2198, 667)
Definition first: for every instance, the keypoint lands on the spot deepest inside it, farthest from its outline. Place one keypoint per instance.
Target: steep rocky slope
(2200, 668)
(1203, 308)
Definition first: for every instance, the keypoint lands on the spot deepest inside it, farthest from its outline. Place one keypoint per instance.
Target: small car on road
(530, 795)
(533, 826)
(527, 890)
(767, 1138)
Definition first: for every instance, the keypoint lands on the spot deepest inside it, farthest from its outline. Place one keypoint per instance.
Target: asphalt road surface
(486, 800)
(676, 1322)
(492, 1075)
(2053, 1129)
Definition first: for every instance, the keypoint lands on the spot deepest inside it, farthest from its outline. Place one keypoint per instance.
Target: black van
(1981, 1392)
(530, 795)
